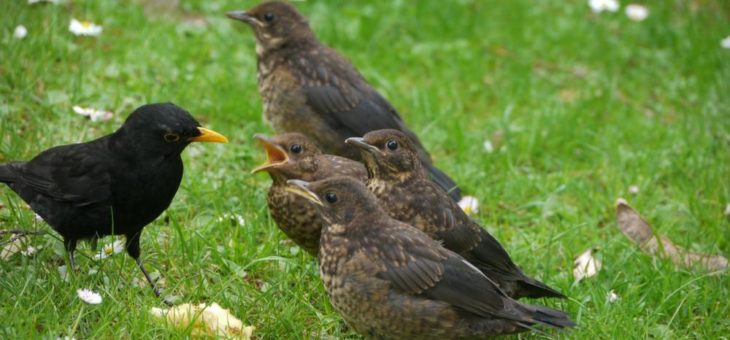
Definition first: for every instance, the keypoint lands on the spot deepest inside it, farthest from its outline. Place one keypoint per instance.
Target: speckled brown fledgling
(398, 180)
(310, 88)
(294, 156)
(390, 280)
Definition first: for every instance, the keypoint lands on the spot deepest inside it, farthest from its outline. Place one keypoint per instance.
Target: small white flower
(725, 43)
(55, 2)
(633, 189)
(598, 6)
(29, 251)
(637, 12)
(585, 265)
(727, 210)
(488, 147)
(85, 28)
(232, 217)
(110, 249)
(613, 297)
(63, 272)
(94, 114)
(469, 204)
(89, 296)
(20, 32)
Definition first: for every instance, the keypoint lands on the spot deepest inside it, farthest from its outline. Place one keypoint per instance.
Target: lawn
(578, 108)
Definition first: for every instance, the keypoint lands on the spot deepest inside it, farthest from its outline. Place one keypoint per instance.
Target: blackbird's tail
(444, 181)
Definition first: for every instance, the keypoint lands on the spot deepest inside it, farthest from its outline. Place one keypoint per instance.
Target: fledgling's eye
(295, 148)
(330, 197)
(269, 17)
(392, 144)
(171, 137)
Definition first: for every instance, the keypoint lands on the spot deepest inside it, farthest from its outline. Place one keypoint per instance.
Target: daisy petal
(89, 296)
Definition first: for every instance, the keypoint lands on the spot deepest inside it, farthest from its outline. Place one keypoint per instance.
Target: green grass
(586, 105)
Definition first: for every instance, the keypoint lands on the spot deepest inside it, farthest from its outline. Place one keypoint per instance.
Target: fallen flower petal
(89, 296)
(469, 204)
(585, 265)
(633, 189)
(84, 28)
(727, 210)
(598, 6)
(637, 12)
(205, 320)
(94, 114)
(639, 231)
(613, 297)
(20, 32)
(725, 43)
(488, 146)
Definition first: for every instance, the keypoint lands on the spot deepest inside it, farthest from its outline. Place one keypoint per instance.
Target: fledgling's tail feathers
(532, 288)
(6, 175)
(548, 316)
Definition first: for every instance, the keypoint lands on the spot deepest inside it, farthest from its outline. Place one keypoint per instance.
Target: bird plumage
(391, 280)
(310, 88)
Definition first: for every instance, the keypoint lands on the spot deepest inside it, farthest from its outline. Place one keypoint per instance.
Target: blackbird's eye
(330, 197)
(295, 148)
(171, 137)
(392, 144)
(269, 17)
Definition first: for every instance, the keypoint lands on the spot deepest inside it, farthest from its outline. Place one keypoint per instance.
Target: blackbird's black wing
(417, 265)
(77, 174)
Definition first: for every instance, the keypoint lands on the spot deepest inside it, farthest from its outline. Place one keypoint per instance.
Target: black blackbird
(114, 185)
(400, 182)
(309, 88)
(294, 156)
(391, 280)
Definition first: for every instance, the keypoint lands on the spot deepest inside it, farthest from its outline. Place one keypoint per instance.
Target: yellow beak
(301, 188)
(211, 136)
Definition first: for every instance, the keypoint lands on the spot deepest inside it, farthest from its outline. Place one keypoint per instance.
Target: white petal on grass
(637, 12)
(204, 321)
(20, 32)
(725, 43)
(488, 146)
(110, 249)
(612, 297)
(585, 265)
(633, 189)
(29, 251)
(89, 296)
(469, 204)
(727, 210)
(84, 28)
(94, 114)
(598, 6)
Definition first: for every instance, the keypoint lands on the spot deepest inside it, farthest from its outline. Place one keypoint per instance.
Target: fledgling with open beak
(114, 185)
(397, 178)
(309, 88)
(294, 156)
(390, 280)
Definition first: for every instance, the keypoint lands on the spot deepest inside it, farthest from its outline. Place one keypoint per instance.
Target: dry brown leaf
(633, 226)
(205, 320)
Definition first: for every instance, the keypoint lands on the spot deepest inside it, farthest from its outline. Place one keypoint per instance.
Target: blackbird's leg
(134, 251)
(70, 245)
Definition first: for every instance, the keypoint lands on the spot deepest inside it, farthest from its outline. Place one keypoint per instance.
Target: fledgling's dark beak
(207, 135)
(275, 155)
(361, 144)
(302, 189)
(242, 16)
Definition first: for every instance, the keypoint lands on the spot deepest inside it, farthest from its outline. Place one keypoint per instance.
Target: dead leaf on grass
(205, 320)
(639, 231)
